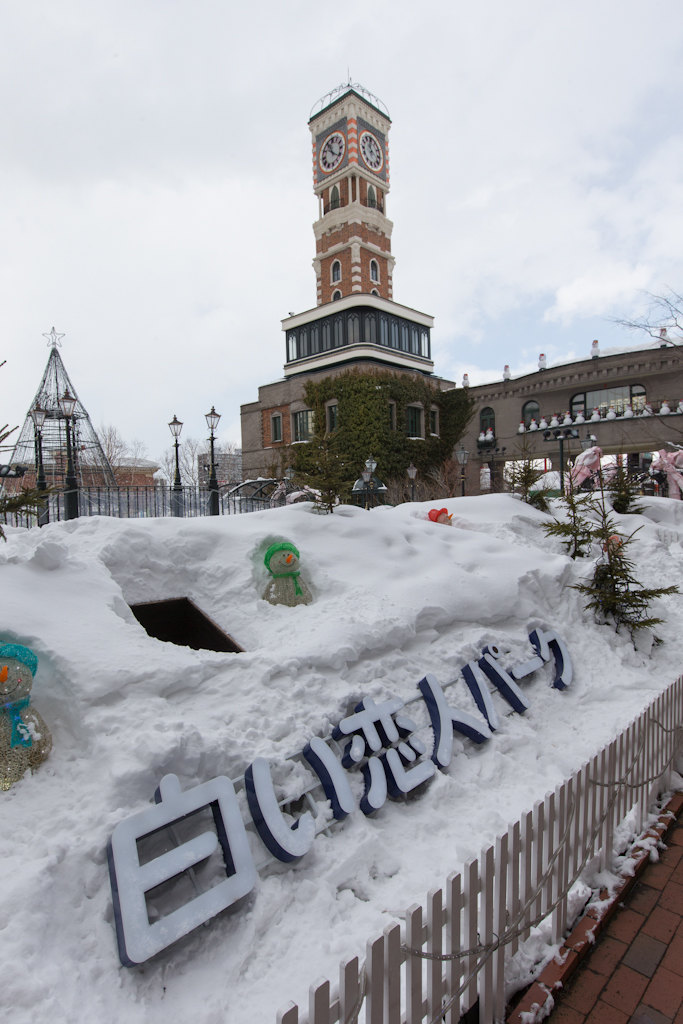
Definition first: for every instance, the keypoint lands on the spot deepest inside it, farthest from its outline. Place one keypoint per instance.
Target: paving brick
(671, 856)
(673, 960)
(665, 992)
(583, 992)
(603, 1013)
(606, 955)
(645, 954)
(625, 925)
(563, 1014)
(625, 989)
(672, 899)
(657, 875)
(643, 898)
(661, 924)
(646, 1015)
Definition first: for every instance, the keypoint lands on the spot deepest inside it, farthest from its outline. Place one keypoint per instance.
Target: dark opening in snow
(179, 621)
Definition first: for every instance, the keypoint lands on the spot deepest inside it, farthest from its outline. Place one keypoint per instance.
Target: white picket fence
(451, 952)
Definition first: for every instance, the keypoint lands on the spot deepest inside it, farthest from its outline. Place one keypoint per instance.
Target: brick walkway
(633, 973)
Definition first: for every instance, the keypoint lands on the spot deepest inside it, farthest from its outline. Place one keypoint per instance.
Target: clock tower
(350, 129)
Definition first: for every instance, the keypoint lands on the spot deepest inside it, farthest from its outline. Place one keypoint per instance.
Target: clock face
(332, 152)
(371, 151)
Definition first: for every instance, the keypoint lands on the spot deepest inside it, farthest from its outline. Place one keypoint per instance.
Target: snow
(394, 597)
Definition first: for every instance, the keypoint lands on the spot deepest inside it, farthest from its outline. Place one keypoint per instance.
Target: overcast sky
(157, 195)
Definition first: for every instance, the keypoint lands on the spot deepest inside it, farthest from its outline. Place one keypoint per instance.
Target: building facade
(626, 402)
(356, 324)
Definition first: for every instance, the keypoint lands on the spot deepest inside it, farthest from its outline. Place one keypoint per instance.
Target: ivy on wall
(372, 418)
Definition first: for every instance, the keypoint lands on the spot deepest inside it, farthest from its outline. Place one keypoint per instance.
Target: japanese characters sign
(378, 740)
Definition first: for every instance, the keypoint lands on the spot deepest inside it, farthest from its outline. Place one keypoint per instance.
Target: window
(374, 270)
(434, 421)
(370, 328)
(530, 411)
(315, 339)
(404, 337)
(414, 341)
(332, 417)
(334, 198)
(338, 332)
(353, 328)
(291, 346)
(302, 424)
(275, 427)
(383, 331)
(327, 331)
(487, 420)
(336, 271)
(394, 334)
(414, 421)
(424, 344)
(336, 295)
(372, 196)
(633, 395)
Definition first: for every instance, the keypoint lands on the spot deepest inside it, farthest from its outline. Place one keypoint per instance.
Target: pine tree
(624, 491)
(522, 474)
(25, 499)
(614, 592)
(321, 465)
(576, 531)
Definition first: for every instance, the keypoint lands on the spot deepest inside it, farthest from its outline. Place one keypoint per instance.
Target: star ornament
(54, 338)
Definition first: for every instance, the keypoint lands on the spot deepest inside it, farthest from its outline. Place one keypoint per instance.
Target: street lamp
(175, 426)
(368, 485)
(462, 455)
(38, 416)
(412, 473)
(561, 436)
(212, 419)
(67, 404)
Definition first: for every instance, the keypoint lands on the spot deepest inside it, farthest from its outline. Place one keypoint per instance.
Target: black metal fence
(144, 503)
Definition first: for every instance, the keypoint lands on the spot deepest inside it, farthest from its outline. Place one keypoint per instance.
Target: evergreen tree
(624, 491)
(576, 530)
(523, 474)
(321, 465)
(614, 593)
(23, 499)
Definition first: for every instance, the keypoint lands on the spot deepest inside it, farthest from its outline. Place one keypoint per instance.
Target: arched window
(487, 420)
(375, 292)
(336, 271)
(530, 411)
(336, 295)
(370, 327)
(374, 270)
(353, 328)
(334, 198)
(372, 196)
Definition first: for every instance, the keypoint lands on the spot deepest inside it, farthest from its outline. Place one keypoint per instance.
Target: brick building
(355, 323)
(630, 402)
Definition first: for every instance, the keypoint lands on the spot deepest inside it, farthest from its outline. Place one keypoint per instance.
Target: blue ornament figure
(25, 740)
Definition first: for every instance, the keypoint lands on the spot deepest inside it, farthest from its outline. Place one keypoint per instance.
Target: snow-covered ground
(394, 597)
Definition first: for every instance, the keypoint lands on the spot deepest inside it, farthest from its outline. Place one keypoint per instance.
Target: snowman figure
(25, 740)
(285, 587)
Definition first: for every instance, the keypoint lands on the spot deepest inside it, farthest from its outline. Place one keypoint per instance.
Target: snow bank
(395, 597)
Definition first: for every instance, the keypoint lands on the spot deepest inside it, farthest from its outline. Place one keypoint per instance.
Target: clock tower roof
(340, 91)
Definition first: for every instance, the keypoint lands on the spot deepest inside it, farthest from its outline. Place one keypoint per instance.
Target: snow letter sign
(138, 940)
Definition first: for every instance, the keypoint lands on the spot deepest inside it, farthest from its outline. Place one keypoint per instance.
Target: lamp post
(368, 485)
(212, 419)
(175, 426)
(412, 473)
(561, 436)
(462, 455)
(38, 416)
(67, 404)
